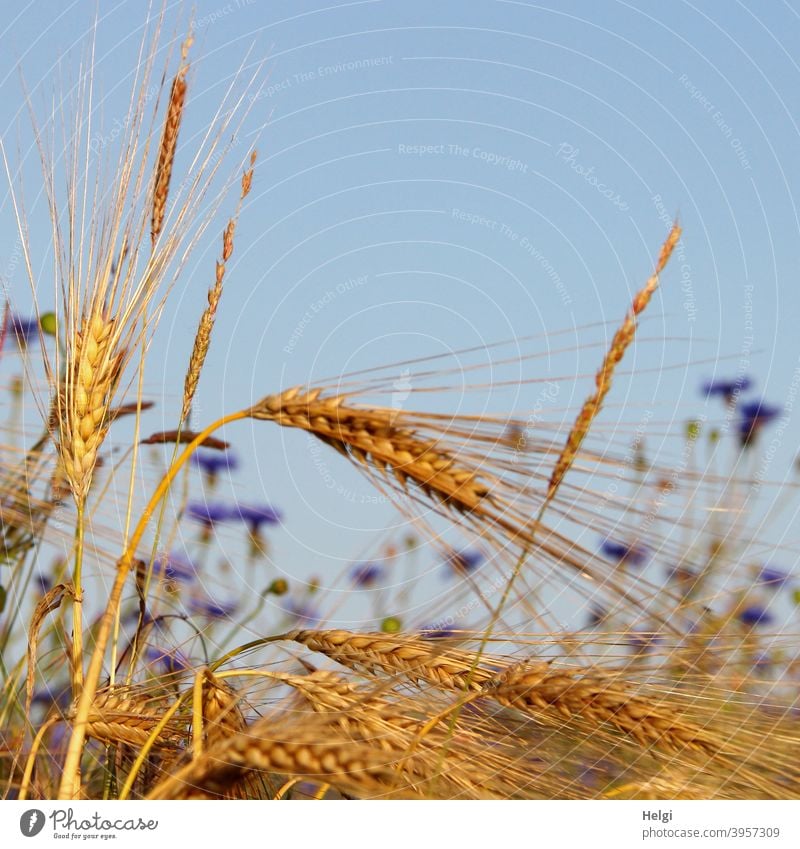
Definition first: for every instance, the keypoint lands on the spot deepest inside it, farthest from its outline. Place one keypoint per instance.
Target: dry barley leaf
(49, 602)
(183, 437)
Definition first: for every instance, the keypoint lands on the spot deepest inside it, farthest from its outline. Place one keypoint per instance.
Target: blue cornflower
(465, 561)
(752, 417)
(42, 582)
(131, 617)
(23, 329)
(208, 513)
(214, 462)
(727, 389)
(366, 574)
(172, 660)
(763, 661)
(772, 577)
(175, 567)
(303, 613)
(755, 615)
(212, 609)
(628, 553)
(642, 641)
(597, 616)
(431, 632)
(256, 515)
(49, 698)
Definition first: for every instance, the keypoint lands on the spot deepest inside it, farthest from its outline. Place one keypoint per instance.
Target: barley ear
(202, 338)
(169, 142)
(80, 411)
(622, 339)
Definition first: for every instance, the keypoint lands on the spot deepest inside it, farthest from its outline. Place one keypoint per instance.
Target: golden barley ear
(127, 716)
(416, 660)
(222, 716)
(80, 413)
(168, 145)
(619, 344)
(202, 339)
(372, 437)
(547, 694)
(308, 750)
(479, 764)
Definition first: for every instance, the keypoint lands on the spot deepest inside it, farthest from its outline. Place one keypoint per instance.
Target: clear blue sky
(477, 171)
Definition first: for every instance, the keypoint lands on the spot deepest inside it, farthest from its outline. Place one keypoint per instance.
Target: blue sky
(434, 176)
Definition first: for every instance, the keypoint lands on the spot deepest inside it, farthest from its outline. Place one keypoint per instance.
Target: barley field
(242, 562)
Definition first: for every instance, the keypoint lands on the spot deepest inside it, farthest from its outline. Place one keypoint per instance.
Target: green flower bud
(278, 587)
(49, 323)
(391, 625)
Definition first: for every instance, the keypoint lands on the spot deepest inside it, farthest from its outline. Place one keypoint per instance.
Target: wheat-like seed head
(308, 750)
(202, 338)
(543, 692)
(477, 764)
(450, 462)
(222, 717)
(413, 659)
(619, 344)
(169, 143)
(125, 716)
(373, 438)
(80, 417)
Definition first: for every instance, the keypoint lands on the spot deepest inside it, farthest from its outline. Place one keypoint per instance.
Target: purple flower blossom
(212, 609)
(752, 417)
(175, 567)
(49, 698)
(727, 389)
(366, 574)
(23, 329)
(42, 582)
(642, 641)
(256, 515)
(208, 513)
(432, 632)
(303, 614)
(214, 462)
(131, 618)
(597, 616)
(465, 561)
(173, 661)
(763, 662)
(755, 615)
(627, 553)
(772, 577)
